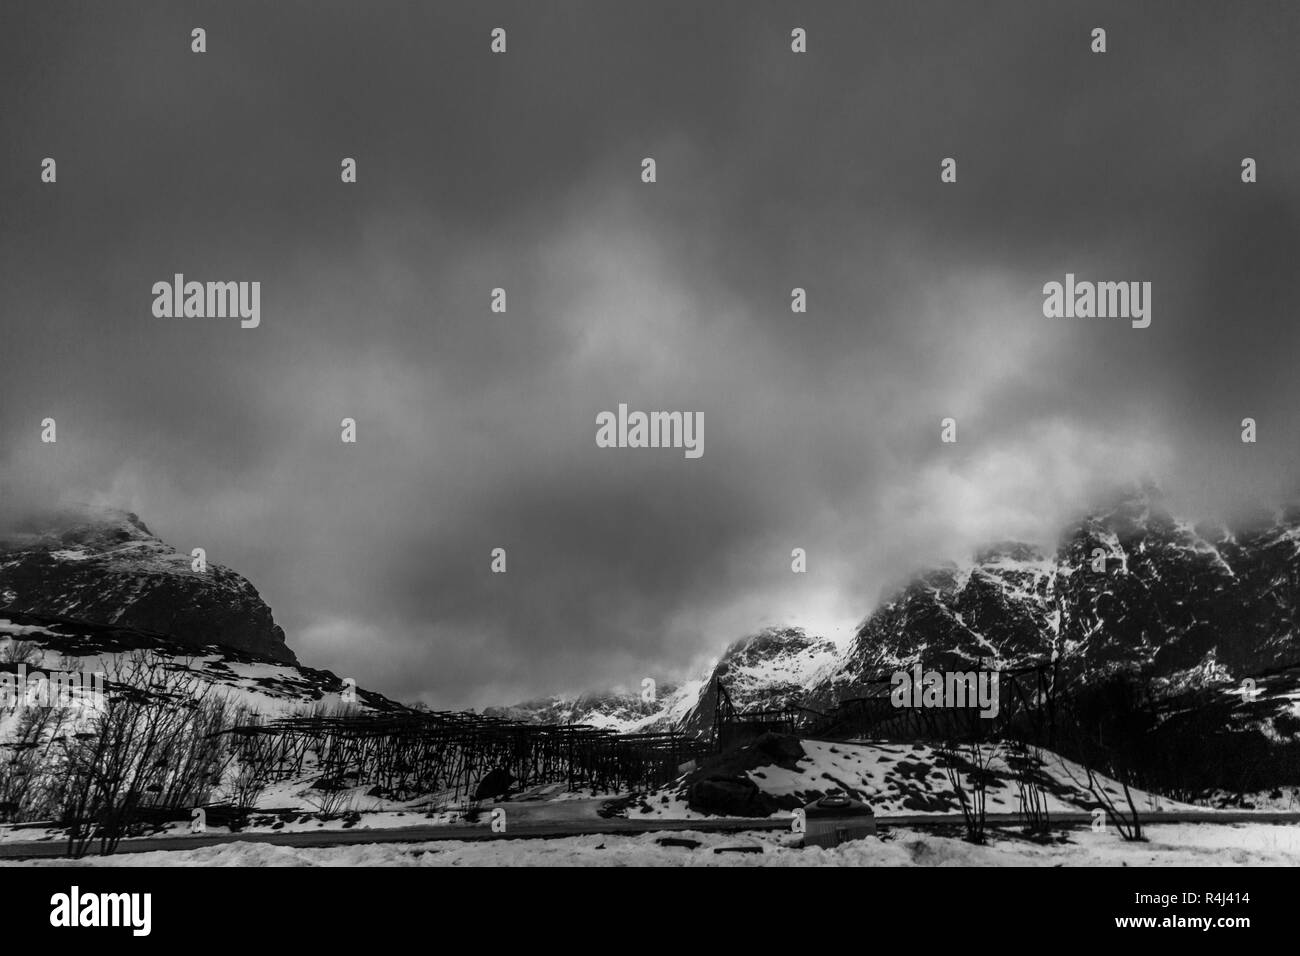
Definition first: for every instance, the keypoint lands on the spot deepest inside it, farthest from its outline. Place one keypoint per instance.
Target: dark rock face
(105, 567)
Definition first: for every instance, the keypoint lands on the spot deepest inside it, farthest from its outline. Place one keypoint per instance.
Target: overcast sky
(775, 170)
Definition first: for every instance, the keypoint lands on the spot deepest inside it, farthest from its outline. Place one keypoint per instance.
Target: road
(553, 829)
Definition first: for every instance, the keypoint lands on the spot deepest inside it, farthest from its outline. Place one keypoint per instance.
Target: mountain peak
(80, 523)
(103, 565)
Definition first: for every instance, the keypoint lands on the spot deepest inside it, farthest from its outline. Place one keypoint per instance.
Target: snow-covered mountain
(88, 589)
(768, 670)
(104, 566)
(1129, 587)
(1176, 597)
(1000, 609)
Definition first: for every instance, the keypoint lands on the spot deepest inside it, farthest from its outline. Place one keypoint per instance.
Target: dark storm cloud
(477, 429)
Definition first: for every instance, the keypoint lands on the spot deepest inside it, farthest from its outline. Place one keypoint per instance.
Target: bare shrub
(19, 652)
(331, 798)
(150, 746)
(1107, 732)
(968, 769)
(1025, 763)
(28, 765)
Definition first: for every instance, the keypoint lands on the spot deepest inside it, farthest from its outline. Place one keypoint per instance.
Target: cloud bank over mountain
(476, 430)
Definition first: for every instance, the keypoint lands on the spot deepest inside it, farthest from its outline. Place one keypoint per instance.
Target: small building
(837, 818)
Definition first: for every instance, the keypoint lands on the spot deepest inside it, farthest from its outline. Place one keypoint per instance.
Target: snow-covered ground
(1249, 844)
(908, 778)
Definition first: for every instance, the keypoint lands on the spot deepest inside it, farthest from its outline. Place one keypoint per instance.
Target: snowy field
(1250, 844)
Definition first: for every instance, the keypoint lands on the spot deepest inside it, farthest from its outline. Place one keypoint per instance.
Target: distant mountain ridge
(617, 710)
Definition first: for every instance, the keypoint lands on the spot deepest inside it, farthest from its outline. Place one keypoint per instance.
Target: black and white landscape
(357, 504)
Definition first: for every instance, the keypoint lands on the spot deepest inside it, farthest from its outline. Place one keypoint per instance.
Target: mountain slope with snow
(34, 646)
